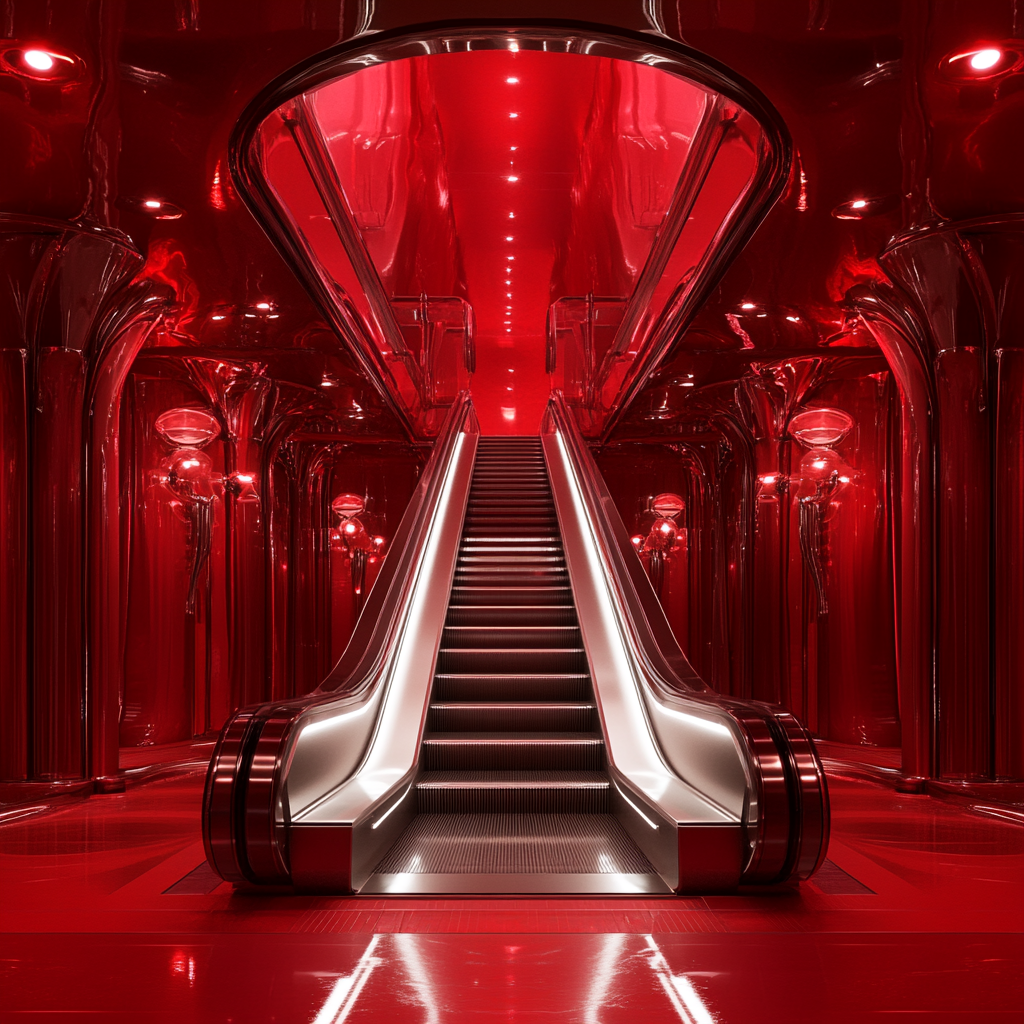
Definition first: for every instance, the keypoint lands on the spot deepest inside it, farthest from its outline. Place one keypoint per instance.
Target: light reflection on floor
(104, 916)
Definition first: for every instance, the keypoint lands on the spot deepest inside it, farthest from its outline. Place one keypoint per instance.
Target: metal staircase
(513, 779)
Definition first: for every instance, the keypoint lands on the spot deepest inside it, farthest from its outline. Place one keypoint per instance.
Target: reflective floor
(108, 913)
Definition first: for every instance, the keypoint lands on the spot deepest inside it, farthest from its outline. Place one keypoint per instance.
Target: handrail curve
(244, 807)
(788, 825)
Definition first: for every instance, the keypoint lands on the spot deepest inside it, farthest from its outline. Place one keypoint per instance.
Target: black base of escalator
(513, 795)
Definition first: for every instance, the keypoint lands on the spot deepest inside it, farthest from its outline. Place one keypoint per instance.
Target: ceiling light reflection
(39, 60)
(346, 990)
(684, 997)
(980, 61)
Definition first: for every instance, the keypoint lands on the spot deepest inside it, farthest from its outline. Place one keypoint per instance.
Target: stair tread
(515, 704)
(512, 675)
(538, 738)
(526, 778)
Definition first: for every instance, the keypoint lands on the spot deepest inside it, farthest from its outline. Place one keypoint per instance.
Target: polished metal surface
(276, 764)
(534, 884)
(515, 844)
(681, 755)
(513, 781)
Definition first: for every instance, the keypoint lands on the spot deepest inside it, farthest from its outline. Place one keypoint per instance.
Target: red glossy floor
(108, 912)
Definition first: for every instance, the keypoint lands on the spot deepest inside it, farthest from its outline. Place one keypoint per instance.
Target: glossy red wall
(903, 312)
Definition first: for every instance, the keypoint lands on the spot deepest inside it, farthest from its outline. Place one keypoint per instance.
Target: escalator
(514, 791)
(513, 714)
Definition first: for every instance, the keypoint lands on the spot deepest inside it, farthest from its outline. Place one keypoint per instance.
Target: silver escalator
(513, 794)
(513, 715)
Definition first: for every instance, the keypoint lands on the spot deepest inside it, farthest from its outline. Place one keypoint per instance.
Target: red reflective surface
(877, 595)
(453, 174)
(917, 912)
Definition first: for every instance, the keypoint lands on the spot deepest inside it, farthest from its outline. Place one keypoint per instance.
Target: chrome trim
(545, 35)
(363, 796)
(261, 776)
(689, 755)
(549, 884)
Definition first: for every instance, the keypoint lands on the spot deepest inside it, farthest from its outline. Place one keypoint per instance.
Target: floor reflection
(346, 991)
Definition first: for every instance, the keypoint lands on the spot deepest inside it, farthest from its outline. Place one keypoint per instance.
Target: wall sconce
(661, 538)
(360, 546)
(187, 426)
(188, 472)
(822, 473)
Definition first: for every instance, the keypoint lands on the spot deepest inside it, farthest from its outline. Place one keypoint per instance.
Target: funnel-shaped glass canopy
(514, 213)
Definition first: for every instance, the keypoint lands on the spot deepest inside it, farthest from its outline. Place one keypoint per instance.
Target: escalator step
(545, 792)
(534, 716)
(511, 615)
(511, 637)
(507, 750)
(478, 687)
(464, 595)
(497, 660)
(506, 558)
(515, 844)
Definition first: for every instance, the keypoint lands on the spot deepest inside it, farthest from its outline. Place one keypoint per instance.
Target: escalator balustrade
(513, 776)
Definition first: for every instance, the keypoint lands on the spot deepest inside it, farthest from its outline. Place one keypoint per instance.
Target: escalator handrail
(243, 800)
(792, 829)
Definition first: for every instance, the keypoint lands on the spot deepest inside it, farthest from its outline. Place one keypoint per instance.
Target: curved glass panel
(508, 211)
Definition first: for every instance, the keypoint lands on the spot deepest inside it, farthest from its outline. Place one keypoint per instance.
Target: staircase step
(508, 716)
(509, 578)
(551, 792)
(472, 595)
(565, 686)
(511, 638)
(511, 615)
(513, 750)
(505, 662)
(505, 557)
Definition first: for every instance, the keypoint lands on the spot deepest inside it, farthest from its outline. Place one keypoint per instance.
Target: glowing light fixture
(748, 305)
(512, 81)
(42, 64)
(816, 428)
(345, 506)
(187, 426)
(513, 177)
(39, 60)
(151, 206)
(865, 206)
(982, 60)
